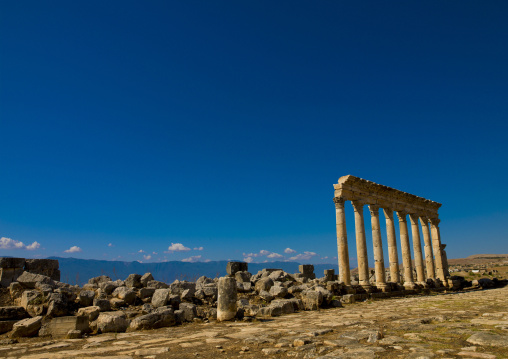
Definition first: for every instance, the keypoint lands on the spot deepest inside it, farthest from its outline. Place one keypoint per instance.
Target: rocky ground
(471, 324)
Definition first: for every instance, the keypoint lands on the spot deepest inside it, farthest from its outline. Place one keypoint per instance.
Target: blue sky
(208, 130)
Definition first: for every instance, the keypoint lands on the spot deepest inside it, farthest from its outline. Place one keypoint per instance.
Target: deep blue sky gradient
(224, 124)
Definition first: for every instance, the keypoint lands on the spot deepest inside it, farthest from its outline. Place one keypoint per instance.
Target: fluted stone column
(436, 244)
(417, 249)
(393, 256)
(406, 251)
(429, 257)
(379, 263)
(342, 248)
(361, 245)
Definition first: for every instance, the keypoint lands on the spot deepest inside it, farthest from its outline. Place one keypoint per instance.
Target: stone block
(12, 313)
(47, 267)
(59, 327)
(7, 262)
(233, 267)
(112, 322)
(9, 275)
(307, 270)
(29, 280)
(26, 328)
(6, 325)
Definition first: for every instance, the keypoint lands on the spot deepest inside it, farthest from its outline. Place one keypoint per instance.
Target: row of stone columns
(431, 239)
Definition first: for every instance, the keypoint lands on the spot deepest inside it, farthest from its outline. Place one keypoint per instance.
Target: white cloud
(141, 251)
(303, 256)
(73, 249)
(191, 259)
(248, 259)
(289, 250)
(155, 253)
(207, 260)
(34, 245)
(198, 248)
(110, 245)
(275, 255)
(177, 247)
(147, 257)
(254, 255)
(8, 243)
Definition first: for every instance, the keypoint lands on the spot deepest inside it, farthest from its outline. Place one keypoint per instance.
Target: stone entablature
(353, 188)
(429, 265)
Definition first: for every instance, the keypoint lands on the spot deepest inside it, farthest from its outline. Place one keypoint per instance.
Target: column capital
(374, 209)
(358, 205)
(339, 201)
(434, 221)
(424, 220)
(388, 212)
(402, 216)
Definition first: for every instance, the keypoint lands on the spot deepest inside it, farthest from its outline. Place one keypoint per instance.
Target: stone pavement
(447, 325)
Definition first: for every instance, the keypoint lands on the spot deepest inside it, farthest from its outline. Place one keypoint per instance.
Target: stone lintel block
(7, 262)
(60, 326)
(306, 269)
(233, 267)
(13, 313)
(9, 275)
(45, 264)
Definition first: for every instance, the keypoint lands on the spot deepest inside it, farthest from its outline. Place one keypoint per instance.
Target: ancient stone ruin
(36, 303)
(432, 272)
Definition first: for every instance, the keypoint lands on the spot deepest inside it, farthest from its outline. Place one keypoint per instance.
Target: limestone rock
(278, 291)
(146, 293)
(494, 340)
(243, 276)
(90, 312)
(26, 327)
(312, 299)
(156, 319)
(12, 313)
(58, 305)
(264, 284)
(160, 297)
(126, 294)
(103, 304)
(100, 279)
(189, 311)
(28, 280)
(157, 285)
(146, 278)
(114, 322)
(133, 281)
(86, 297)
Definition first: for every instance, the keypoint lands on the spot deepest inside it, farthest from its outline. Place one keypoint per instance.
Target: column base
(410, 286)
(383, 287)
(423, 284)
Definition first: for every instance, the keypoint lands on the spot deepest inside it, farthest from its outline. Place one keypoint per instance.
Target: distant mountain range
(78, 271)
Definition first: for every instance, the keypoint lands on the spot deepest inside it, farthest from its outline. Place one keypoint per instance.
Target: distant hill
(480, 259)
(78, 271)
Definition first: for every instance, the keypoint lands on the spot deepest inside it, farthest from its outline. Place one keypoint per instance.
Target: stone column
(406, 251)
(378, 248)
(361, 245)
(417, 248)
(226, 299)
(429, 258)
(436, 244)
(342, 249)
(393, 256)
